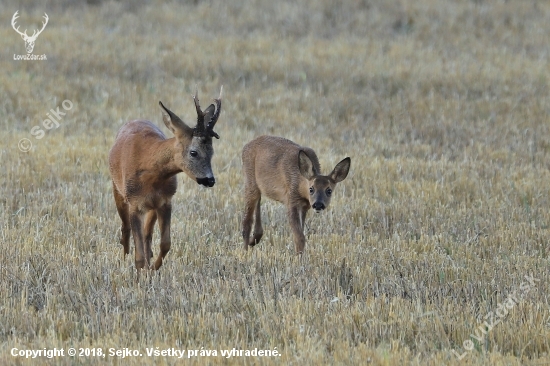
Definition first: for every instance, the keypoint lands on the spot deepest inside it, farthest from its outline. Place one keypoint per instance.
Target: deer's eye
(193, 153)
(329, 191)
(311, 190)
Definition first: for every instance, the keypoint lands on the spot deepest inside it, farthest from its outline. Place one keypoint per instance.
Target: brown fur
(143, 165)
(286, 172)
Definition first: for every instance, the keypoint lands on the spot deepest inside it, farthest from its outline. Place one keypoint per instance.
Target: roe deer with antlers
(143, 166)
(289, 173)
(29, 41)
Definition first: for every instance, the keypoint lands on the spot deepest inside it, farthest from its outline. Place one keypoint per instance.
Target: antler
(13, 21)
(211, 112)
(199, 128)
(212, 123)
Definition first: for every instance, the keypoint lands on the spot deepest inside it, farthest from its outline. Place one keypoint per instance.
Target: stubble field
(435, 249)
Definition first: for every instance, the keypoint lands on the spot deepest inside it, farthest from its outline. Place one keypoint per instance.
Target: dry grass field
(443, 107)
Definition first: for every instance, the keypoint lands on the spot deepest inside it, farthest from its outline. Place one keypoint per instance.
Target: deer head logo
(29, 41)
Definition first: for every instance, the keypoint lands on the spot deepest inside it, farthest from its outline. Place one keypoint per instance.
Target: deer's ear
(174, 123)
(306, 166)
(341, 170)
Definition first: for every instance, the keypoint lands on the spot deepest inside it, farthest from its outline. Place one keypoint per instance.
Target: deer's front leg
(295, 217)
(136, 221)
(164, 215)
(150, 220)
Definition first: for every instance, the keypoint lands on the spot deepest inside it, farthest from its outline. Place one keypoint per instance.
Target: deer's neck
(165, 159)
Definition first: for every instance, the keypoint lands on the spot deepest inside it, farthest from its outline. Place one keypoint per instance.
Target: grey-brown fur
(286, 172)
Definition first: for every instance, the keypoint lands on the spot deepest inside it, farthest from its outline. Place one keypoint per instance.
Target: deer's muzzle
(318, 206)
(207, 182)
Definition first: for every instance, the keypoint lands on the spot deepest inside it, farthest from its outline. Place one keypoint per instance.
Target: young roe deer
(143, 164)
(291, 174)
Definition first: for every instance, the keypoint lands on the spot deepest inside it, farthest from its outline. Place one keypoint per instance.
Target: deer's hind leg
(258, 229)
(252, 198)
(123, 212)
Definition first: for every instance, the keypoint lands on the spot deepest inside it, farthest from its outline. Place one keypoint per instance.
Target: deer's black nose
(207, 182)
(318, 206)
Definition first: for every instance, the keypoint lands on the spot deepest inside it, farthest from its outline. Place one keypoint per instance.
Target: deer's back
(134, 133)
